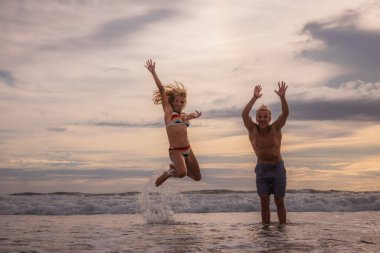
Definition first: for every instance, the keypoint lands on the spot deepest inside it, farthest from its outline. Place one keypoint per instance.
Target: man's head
(263, 116)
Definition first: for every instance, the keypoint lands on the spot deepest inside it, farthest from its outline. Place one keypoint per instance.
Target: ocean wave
(204, 201)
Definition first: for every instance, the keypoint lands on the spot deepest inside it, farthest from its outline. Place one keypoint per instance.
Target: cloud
(56, 129)
(355, 100)
(357, 109)
(113, 32)
(232, 159)
(126, 124)
(27, 174)
(86, 61)
(237, 179)
(100, 180)
(227, 112)
(317, 109)
(312, 129)
(7, 77)
(108, 120)
(48, 162)
(123, 27)
(347, 45)
(333, 153)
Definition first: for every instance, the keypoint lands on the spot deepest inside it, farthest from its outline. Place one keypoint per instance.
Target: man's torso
(266, 143)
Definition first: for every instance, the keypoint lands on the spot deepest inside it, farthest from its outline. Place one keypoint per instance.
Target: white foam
(156, 202)
(159, 203)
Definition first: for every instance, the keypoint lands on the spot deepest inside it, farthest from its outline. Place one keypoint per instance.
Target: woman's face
(178, 104)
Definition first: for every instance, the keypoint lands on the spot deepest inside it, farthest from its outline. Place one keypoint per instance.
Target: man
(266, 143)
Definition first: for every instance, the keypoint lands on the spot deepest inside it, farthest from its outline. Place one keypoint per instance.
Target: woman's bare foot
(162, 178)
(171, 173)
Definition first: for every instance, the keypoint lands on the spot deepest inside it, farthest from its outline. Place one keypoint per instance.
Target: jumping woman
(173, 100)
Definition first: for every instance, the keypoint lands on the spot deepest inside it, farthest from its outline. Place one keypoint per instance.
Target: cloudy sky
(75, 98)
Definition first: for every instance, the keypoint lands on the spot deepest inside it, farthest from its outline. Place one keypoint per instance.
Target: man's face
(179, 103)
(263, 118)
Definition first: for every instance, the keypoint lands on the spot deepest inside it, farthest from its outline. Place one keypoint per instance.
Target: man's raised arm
(247, 109)
(280, 122)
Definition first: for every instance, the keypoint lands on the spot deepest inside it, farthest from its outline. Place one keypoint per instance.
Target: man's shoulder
(254, 126)
(278, 126)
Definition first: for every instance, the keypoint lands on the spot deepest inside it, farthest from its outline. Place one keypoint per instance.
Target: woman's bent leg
(177, 168)
(192, 165)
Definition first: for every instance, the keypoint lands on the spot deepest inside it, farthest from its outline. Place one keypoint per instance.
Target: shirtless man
(266, 142)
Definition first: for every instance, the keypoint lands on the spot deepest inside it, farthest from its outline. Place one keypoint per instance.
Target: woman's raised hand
(150, 65)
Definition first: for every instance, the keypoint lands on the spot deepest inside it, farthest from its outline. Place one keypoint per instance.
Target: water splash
(156, 203)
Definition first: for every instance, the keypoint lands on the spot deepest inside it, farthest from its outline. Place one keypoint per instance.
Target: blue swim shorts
(271, 179)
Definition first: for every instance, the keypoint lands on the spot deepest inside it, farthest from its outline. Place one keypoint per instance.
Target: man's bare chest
(266, 139)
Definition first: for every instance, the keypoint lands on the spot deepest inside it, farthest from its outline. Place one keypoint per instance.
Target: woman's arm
(193, 115)
(151, 66)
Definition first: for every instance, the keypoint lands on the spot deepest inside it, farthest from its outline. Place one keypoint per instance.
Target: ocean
(208, 201)
(164, 219)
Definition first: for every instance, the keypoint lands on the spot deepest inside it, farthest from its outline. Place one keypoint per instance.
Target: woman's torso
(176, 128)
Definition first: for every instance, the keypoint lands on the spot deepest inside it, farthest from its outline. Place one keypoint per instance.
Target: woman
(173, 100)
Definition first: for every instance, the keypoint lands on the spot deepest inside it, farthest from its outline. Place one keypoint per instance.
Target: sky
(76, 110)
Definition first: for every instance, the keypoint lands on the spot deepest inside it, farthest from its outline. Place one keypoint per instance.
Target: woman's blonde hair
(172, 91)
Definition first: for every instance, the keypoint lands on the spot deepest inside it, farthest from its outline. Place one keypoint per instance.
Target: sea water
(162, 219)
(192, 232)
